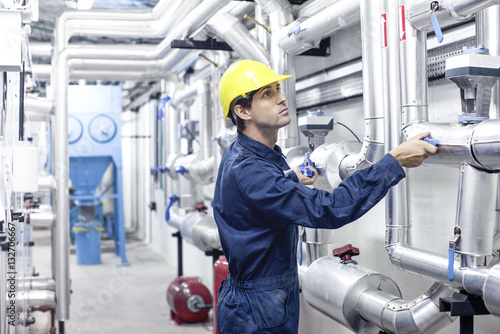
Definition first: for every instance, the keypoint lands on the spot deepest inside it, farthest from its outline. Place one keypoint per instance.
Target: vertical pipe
(396, 202)
(206, 119)
(488, 34)
(61, 168)
(476, 211)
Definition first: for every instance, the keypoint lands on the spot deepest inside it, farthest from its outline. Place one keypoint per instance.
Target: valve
(345, 253)
(181, 170)
(307, 162)
(451, 252)
(435, 22)
(174, 198)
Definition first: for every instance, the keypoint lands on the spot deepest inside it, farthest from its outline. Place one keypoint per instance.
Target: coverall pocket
(233, 313)
(269, 308)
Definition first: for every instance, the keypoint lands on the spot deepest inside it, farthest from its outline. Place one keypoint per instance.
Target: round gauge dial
(102, 128)
(75, 129)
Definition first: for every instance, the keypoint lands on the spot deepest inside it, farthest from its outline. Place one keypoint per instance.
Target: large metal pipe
(39, 105)
(238, 37)
(373, 102)
(448, 12)
(304, 34)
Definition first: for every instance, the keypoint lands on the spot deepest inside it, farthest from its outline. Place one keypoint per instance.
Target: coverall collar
(275, 156)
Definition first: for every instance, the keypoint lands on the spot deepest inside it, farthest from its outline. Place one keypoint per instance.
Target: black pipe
(179, 252)
(21, 104)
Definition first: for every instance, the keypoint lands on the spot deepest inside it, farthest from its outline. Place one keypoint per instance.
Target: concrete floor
(107, 298)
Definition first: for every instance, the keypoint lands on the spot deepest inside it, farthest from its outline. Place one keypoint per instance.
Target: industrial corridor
(258, 166)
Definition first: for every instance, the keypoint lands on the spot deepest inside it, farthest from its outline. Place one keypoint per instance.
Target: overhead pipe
(42, 219)
(280, 15)
(448, 12)
(304, 34)
(238, 37)
(153, 23)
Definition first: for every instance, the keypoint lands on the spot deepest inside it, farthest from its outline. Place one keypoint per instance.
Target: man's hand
(412, 152)
(305, 180)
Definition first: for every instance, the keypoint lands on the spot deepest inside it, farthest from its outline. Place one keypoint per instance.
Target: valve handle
(174, 198)
(346, 252)
(303, 169)
(437, 28)
(451, 261)
(433, 142)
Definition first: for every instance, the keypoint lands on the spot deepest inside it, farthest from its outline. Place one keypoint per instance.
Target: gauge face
(102, 128)
(75, 129)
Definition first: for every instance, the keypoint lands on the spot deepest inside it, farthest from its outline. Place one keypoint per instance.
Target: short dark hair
(245, 103)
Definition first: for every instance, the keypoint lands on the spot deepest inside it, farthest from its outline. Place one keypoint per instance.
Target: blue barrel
(88, 242)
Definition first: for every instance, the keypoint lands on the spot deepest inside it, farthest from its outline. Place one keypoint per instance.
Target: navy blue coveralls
(257, 209)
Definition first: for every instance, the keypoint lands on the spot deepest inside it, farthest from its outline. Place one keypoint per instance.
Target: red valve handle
(346, 252)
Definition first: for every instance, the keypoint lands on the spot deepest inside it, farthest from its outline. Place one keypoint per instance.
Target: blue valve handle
(303, 169)
(433, 142)
(174, 198)
(451, 261)
(437, 28)
(300, 253)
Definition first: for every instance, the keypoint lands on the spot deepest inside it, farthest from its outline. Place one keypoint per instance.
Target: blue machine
(94, 126)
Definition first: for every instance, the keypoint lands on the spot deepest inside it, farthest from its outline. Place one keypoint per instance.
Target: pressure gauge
(102, 128)
(75, 129)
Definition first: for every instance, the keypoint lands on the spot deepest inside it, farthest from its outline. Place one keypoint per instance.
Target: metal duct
(448, 13)
(305, 34)
(237, 36)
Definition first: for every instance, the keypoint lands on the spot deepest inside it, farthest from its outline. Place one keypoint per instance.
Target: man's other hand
(306, 180)
(414, 151)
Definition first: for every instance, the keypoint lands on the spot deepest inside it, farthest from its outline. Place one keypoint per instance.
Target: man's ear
(242, 113)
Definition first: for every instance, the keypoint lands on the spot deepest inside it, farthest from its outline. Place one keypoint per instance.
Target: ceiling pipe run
(304, 34)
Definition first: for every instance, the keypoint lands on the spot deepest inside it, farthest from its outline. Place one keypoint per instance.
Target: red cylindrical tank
(220, 274)
(189, 300)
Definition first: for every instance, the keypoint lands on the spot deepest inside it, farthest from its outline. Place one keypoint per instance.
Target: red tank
(220, 273)
(189, 300)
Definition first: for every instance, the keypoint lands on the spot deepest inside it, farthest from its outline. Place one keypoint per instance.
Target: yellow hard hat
(244, 77)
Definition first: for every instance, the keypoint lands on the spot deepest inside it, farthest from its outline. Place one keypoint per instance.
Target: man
(258, 208)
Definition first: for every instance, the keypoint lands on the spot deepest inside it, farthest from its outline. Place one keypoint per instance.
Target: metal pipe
(449, 12)
(46, 182)
(39, 105)
(42, 219)
(61, 173)
(203, 90)
(373, 103)
(238, 37)
(396, 315)
(37, 298)
(304, 34)
(37, 283)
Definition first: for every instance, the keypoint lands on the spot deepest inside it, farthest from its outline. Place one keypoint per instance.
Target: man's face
(269, 109)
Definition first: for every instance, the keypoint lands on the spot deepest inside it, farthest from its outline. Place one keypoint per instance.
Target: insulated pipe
(60, 251)
(124, 23)
(46, 182)
(311, 7)
(280, 15)
(39, 105)
(41, 71)
(238, 37)
(396, 315)
(37, 298)
(37, 283)
(42, 219)
(476, 144)
(200, 230)
(487, 33)
(304, 34)
(38, 49)
(448, 13)
(373, 103)
(203, 90)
